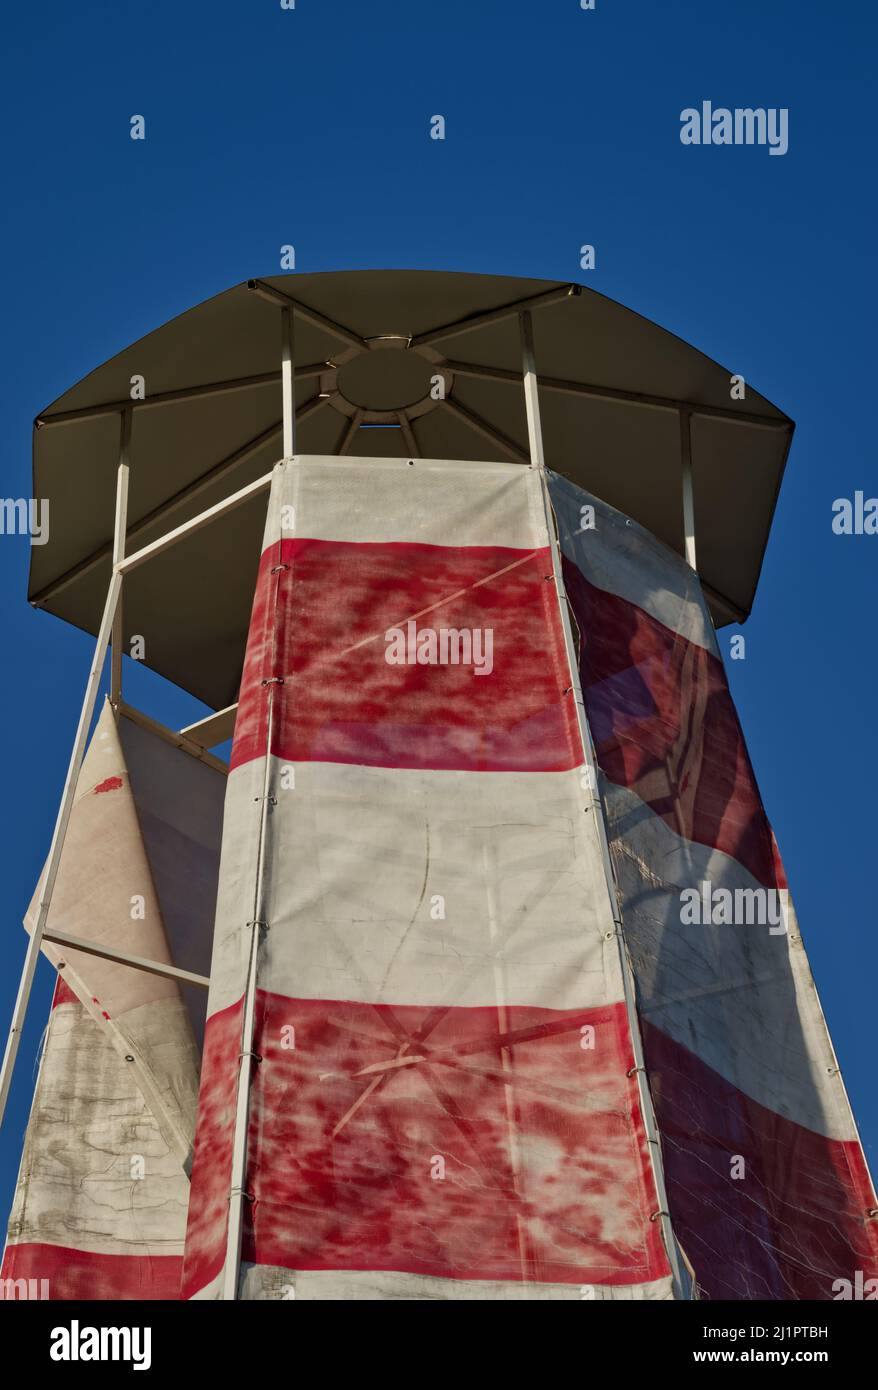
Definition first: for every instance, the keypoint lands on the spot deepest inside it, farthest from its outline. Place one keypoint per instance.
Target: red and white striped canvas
(443, 1102)
(768, 1187)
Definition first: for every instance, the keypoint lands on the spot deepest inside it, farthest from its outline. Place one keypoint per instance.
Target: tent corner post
(688, 487)
(237, 1193)
(288, 382)
(119, 534)
(531, 391)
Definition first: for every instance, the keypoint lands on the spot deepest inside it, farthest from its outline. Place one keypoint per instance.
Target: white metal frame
(197, 738)
(151, 967)
(258, 925)
(688, 486)
(119, 534)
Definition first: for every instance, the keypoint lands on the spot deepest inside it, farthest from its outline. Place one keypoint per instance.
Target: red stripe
(63, 993)
(342, 702)
(793, 1225)
(665, 726)
(74, 1275)
(546, 1174)
(212, 1158)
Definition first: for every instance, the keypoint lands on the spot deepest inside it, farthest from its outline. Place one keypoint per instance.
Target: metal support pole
(61, 824)
(288, 383)
(688, 490)
(119, 534)
(595, 808)
(151, 967)
(179, 739)
(237, 1195)
(531, 392)
(350, 431)
(213, 729)
(195, 523)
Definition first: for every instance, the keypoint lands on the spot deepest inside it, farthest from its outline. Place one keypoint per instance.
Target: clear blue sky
(310, 127)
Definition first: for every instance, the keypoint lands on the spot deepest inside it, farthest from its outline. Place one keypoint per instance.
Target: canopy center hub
(385, 380)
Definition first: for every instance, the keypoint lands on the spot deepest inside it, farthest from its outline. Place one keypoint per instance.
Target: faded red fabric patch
(326, 617)
(460, 1143)
(76, 1275)
(63, 993)
(109, 784)
(664, 724)
(795, 1222)
(212, 1159)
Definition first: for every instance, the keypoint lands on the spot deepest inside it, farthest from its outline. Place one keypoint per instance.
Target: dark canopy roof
(367, 344)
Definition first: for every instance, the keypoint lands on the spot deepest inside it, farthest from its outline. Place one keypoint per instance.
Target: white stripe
(739, 997)
(268, 1283)
(622, 558)
(362, 861)
(384, 500)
